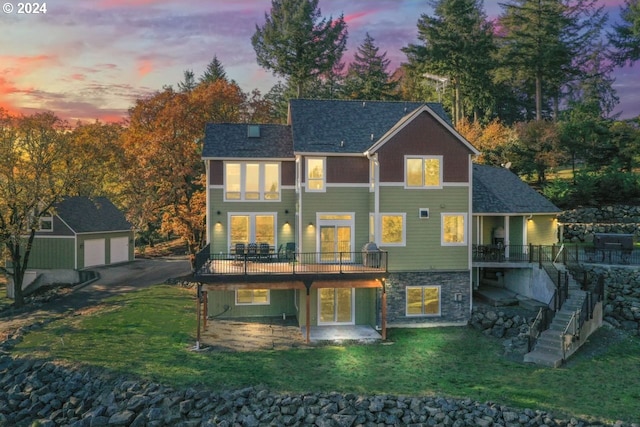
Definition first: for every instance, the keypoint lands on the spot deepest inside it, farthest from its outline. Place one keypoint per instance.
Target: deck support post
(307, 284)
(384, 310)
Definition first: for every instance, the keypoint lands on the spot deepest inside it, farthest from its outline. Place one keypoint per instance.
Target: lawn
(150, 334)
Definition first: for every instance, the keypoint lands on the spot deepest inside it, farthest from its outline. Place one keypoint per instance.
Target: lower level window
(252, 297)
(423, 300)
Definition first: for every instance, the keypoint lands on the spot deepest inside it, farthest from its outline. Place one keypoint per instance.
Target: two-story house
(354, 213)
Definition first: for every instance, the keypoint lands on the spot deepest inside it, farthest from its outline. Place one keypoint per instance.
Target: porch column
(307, 284)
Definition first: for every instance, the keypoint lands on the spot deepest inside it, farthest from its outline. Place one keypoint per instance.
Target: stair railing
(571, 330)
(539, 324)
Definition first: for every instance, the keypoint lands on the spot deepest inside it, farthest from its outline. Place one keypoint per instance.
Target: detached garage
(83, 232)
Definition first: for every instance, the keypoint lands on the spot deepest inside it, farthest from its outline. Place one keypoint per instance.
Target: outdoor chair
(252, 251)
(239, 251)
(264, 252)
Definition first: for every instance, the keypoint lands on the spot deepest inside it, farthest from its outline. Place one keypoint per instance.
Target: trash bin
(371, 255)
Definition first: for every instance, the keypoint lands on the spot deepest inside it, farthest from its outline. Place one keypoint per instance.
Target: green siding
(423, 250)
(515, 231)
(281, 301)
(219, 232)
(335, 199)
(542, 230)
(52, 253)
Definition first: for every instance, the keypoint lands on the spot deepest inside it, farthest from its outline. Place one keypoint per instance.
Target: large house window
(393, 229)
(316, 173)
(453, 229)
(252, 297)
(423, 300)
(423, 172)
(251, 181)
(252, 228)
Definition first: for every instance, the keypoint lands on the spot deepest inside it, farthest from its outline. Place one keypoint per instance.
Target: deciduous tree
(36, 171)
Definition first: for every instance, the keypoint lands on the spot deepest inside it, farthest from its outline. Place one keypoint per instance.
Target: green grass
(150, 333)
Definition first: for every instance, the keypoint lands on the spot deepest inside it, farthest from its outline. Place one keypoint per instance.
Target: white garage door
(94, 252)
(119, 249)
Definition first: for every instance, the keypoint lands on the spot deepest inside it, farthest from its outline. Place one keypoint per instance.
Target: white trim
(444, 184)
(351, 223)
(252, 226)
(252, 159)
(326, 154)
(207, 219)
(404, 229)
(243, 181)
(235, 298)
(307, 178)
(465, 217)
(440, 159)
(338, 185)
(422, 287)
(49, 237)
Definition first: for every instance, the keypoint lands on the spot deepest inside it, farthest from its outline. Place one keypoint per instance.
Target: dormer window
(46, 223)
(423, 171)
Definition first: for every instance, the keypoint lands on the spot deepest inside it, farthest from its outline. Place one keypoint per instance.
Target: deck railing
(292, 263)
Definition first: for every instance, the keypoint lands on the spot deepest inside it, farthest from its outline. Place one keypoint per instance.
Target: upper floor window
(46, 223)
(453, 229)
(423, 172)
(252, 181)
(316, 173)
(393, 230)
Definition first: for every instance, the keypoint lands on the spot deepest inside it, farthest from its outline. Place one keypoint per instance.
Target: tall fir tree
(368, 77)
(457, 45)
(297, 44)
(214, 72)
(625, 37)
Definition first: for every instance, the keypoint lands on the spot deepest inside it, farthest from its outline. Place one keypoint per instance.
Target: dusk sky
(90, 59)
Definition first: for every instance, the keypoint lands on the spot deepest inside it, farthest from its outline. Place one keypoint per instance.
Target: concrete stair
(548, 349)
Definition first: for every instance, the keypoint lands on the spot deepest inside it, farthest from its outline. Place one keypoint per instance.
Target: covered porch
(305, 322)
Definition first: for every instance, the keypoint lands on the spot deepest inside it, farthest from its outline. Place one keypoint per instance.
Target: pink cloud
(145, 66)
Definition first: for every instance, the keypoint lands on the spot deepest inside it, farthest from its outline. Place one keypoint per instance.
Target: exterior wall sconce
(218, 212)
(219, 223)
(286, 211)
(286, 223)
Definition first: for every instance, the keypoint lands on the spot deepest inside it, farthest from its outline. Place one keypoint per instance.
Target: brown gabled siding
(424, 136)
(348, 170)
(288, 173)
(216, 172)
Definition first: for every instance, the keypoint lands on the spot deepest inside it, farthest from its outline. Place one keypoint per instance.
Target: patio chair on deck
(239, 251)
(252, 251)
(287, 252)
(265, 252)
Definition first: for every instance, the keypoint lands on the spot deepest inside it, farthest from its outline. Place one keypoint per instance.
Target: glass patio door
(335, 306)
(333, 240)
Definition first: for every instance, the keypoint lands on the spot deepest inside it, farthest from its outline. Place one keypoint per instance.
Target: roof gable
(85, 215)
(498, 190)
(423, 109)
(233, 140)
(344, 126)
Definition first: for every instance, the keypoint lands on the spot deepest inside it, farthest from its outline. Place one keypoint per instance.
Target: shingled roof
(499, 191)
(233, 140)
(339, 126)
(85, 215)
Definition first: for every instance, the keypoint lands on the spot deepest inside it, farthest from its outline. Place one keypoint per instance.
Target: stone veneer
(450, 282)
(580, 224)
(622, 293)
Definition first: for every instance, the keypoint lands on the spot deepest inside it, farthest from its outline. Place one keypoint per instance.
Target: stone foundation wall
(507, 323)
(622, 293)
(455, 297)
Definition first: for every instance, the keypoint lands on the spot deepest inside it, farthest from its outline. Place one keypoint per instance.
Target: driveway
(114, 280)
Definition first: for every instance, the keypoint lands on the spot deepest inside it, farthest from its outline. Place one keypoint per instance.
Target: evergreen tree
(189, 82)
(367, 77)
(542, 44)
(214, 71)
(625, 37)
(296, 43)
(457, 45)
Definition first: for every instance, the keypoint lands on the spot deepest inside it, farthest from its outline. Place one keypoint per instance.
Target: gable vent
(253, 131)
